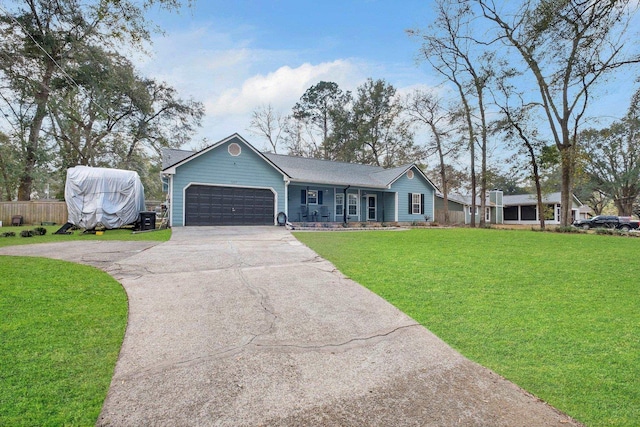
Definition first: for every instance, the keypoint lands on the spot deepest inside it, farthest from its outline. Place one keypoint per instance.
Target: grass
(61, 331)
(555, 313)
(119, 234)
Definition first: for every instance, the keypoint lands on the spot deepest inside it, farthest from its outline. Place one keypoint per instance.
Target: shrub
(605, 231)
(567, 229)
(8, 234)
(26, 233)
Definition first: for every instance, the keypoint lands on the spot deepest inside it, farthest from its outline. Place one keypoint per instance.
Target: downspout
(306, 200)
(286, 197)
(346, 205)
(170, 197)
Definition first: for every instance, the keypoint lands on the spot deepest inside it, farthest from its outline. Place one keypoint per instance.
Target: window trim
(354, 197)
(416, 204)
(412, 204)
(312, 195)
(336, 204)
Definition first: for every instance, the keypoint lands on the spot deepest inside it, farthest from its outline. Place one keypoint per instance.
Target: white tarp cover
(111, 197)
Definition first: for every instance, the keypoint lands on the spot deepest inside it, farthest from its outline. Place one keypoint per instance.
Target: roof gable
(181, 156)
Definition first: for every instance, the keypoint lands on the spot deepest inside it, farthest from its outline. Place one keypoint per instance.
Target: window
(528, 213)
(469, 210)
(352, 200)
(312, 197)
(511, 213)
(234, 149)
(487, 214)
(339, 205)
(415, 203)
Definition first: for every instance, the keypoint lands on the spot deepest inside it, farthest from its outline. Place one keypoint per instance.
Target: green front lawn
(119, 234)
(558, 314)
(61, 331)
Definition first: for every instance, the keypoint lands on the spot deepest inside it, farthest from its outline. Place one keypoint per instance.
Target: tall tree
(109, 116)
(318, 109)
(39, 37)
(568, 47)
(380, 129)
(425, 108)
(516, 127)
(449, 47)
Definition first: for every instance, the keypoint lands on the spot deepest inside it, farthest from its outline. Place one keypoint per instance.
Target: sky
(235, 56)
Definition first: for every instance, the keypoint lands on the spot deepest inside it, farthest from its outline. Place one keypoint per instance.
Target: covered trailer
(110, 197)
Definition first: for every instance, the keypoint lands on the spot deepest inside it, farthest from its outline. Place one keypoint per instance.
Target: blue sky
(238, 55)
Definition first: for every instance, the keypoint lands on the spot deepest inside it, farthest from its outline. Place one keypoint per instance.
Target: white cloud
(283, 87)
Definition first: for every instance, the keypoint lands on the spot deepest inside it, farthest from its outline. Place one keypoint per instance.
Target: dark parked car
(623, 223)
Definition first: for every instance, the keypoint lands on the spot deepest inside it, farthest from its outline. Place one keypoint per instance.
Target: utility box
(147, 221)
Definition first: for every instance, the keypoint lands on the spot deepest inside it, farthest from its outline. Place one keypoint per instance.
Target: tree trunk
(445, 186)
(566, 199)
(42, 98)
(483, 148)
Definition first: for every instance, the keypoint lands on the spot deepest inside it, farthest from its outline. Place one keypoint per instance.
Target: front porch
(334, 206)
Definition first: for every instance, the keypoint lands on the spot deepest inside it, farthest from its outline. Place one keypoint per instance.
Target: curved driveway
(248, 327)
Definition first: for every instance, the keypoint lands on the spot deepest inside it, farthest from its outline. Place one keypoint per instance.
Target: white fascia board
(337, 184)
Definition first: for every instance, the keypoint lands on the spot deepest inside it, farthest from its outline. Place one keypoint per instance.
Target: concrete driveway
(248, 327)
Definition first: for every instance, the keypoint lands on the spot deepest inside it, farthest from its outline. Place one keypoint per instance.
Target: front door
(371, 207)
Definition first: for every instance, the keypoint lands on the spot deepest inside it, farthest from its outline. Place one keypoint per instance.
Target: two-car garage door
(208, 205)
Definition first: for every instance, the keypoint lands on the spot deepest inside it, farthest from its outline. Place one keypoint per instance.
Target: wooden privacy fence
(455, 217)
(33, 212)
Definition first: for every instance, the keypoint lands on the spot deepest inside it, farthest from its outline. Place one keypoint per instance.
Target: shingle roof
(171, 156)
(336, 173)
(530, 199)
(317, 171)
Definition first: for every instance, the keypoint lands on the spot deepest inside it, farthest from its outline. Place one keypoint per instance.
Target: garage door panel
(208, 205)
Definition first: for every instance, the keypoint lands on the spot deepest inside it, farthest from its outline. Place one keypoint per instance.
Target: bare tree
(449, 47)
(517, 130)
(269, 124)
(568, 47)
(425, 108)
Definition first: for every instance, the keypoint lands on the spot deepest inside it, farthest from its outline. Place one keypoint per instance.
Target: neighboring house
(585, 212)
(523, 209)
(232, 183)
(493, 213)
(456, 209)
(520, 209)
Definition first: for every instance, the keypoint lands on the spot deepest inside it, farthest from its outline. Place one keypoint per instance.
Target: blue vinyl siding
(296, 201)
(218, 167)
(403, 186)
(389, 207)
